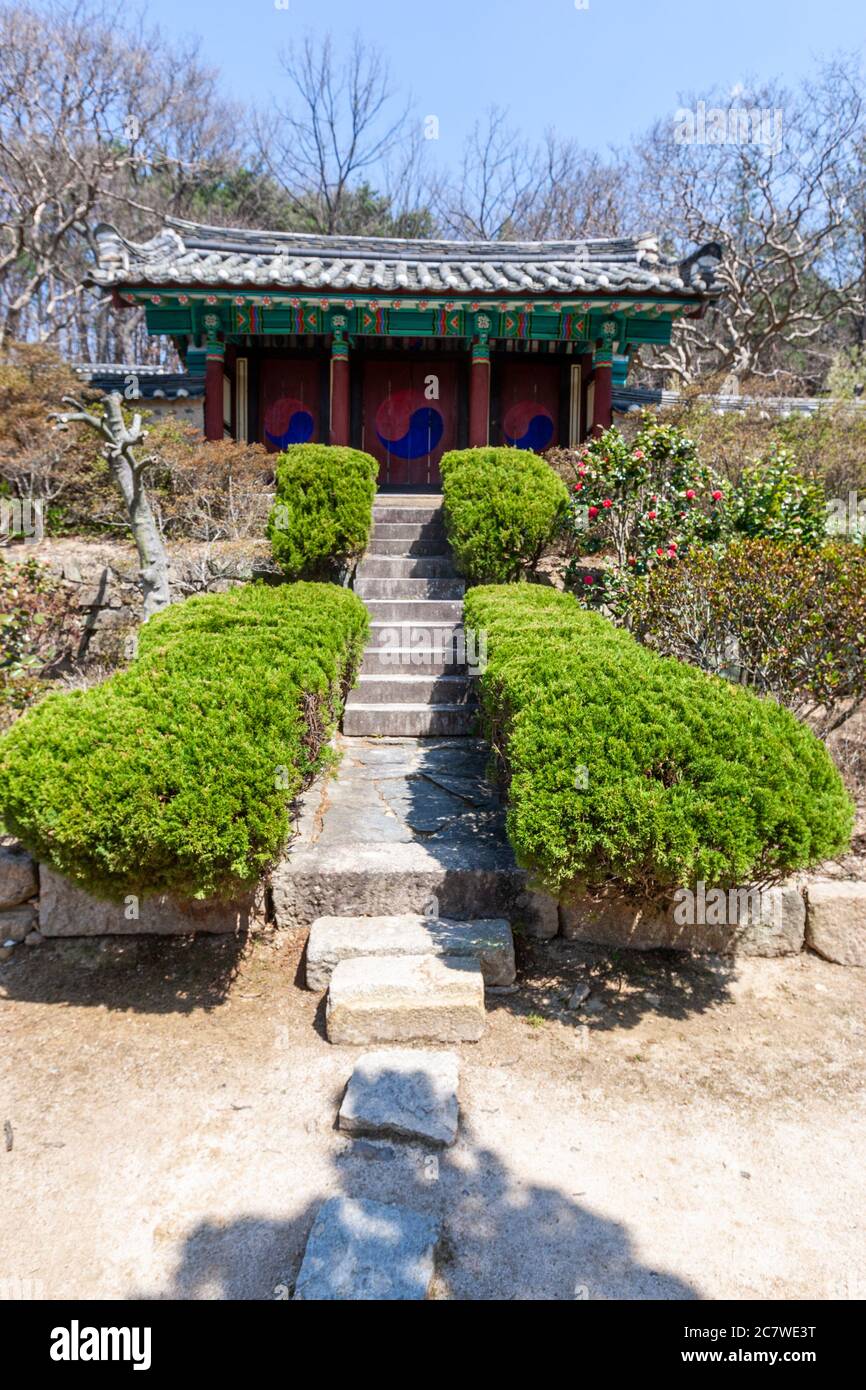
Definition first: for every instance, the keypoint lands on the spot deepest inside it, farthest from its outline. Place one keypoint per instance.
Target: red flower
(672, 547)
(652, 515)
(577, 487)
(607, 502)
(717, 496)
(581, 468)
(632, 560)
(690, 493)
(588, 579)
(659, 550)
(593, 511)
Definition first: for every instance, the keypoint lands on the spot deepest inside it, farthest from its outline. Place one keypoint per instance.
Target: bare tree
(95, 122)
(767, 184)
(507, 188)
(336, 133)
(119, 440)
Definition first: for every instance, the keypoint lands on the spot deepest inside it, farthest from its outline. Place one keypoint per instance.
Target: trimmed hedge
(627, 765)
(502, 509)
(323, 509)
(177, 773)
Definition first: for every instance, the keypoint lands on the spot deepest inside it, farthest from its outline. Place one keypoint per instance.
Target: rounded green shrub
(622, 764)
(177, 774)
(502, 509)
(323, 509)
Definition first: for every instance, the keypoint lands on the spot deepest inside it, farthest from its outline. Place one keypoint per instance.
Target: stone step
(403, 1093)
(421, 612)
(406, 720)
(485, 940)
(371, 588)
(379, 999)
(402, 546)
(402, 687)
(364, 1251)
(413, 515)
(393, 660)
(409, 531)
(406, 567)
(369, 879)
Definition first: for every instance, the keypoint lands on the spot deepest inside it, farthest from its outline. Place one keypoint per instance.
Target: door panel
(528, 405)
(409, 418)
(290, 402)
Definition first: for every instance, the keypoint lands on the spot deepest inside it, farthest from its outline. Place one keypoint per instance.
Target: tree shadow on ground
(146, 974)
(501, 1237)
(622, 987)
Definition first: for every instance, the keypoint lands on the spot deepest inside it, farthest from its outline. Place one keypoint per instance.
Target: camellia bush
(621, 764)
(637, 502)
(788, 621)
(502, 509)
(773, 500)
(176, 775)
(323, 509)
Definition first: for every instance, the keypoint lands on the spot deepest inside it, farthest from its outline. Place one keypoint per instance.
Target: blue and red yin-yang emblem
(408, 425)
(528, 425)
(289, 421)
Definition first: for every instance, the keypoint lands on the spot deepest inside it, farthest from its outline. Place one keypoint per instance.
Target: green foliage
(502, 509)
(323, 509)
(623, 764)
(789, 621)
(640, 502)
(773, 500)
(177, 773)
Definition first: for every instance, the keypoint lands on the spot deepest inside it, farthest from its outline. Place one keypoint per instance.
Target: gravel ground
(694, 1132)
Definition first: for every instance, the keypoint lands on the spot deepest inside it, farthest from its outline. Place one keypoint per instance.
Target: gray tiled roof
(188, 254)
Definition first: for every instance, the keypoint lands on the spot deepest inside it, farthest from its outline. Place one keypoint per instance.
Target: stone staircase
(413, 679)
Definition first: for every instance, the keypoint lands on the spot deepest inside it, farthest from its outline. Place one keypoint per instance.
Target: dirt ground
(169, 1110)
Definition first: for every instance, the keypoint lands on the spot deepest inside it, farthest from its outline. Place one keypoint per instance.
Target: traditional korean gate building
(403, 348)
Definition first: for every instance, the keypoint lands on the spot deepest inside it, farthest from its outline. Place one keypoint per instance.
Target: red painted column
(339, 431)
(602, 407)
(479, 396)
(213, 392)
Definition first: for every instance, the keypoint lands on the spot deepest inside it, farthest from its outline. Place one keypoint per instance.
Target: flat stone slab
(360, 1250)
(376, 999)
(332, 939)
(836, 920)
(403, 1092)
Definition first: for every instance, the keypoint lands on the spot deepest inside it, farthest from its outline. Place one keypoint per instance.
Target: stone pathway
(402, 869)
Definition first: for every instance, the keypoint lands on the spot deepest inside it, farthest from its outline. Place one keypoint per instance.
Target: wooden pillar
(339, 427)
(213, 391)
(479, 396)
(602, 399)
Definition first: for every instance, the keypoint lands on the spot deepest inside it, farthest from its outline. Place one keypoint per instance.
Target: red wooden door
(410, 418)
(528, 414)
(289, 402)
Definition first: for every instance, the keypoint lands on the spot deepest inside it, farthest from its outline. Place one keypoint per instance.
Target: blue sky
(599, 74)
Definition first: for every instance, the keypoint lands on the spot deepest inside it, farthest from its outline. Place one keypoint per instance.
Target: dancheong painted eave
(192, 256)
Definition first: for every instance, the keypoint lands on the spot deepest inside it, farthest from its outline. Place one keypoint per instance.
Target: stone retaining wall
(100, 578)
(825, 915)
